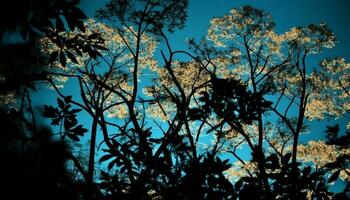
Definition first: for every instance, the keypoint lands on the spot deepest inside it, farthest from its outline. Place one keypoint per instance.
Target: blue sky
(286, 13)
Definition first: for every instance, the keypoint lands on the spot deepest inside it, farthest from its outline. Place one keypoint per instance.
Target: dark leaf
(53, 56)
(333, 165)
(77, 13)
(307, 170)
(77, 51)
(73, 137)
(68, 99)
(70, 21)
(73, 111)
(123, 169)
(62, 59)
(80, 25)
(60, 103)
(285, 158)
(69, 123)
(50, 112)
(156, 140)
(334, 176)
(71, 56)
(56, 121)
(101, 47)
(79, 130)
(104, 175)
(106, 157)
(238, 185)
(59, 24)
(111, 164)
(93, 36)
(195, 113)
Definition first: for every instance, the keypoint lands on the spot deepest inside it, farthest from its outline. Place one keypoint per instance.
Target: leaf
(307, 170)
(60, 103)
(53, 56)
(123, 169)
(70, 21)
(68, 99)
(69, 123)
(285, 158)
(101, 47)
(156, 140)
(79, 130)
(71, 56)
(333, 165)
(62, 59)
(334, 176)
(77, 13)
(106, 157)
(73, 111)
(77, 51)
(80, 25)
(50, 112)
(73, 137)
(59, 24)
(332, 133)
(56, 121)
(92, 53)
(238, 185)
(43, 24)
(272, 162)
(104, 175)
(93, 36)
(111, 164)
(66, 108)
(195, 113)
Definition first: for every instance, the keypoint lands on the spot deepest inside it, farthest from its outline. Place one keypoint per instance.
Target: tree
(35, 164)
(166, 137)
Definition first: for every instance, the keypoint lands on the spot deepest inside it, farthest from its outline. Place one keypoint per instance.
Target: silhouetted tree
(33, 165)
(34, 162)
(243, 85)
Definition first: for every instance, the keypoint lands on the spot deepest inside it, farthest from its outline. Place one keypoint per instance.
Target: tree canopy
(165, 123)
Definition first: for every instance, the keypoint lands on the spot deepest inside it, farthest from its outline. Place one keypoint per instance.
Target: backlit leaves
(65, 117)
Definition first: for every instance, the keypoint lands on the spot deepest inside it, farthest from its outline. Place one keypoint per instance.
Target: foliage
(34, 164)
(66, 118)
(161, 127)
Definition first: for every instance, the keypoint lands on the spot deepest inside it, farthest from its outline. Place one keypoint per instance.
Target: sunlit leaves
(221, 92)
(329, 88)
(244, 21)
(311, 38)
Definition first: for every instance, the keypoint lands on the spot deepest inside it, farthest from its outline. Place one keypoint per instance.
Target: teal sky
(286, 13)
